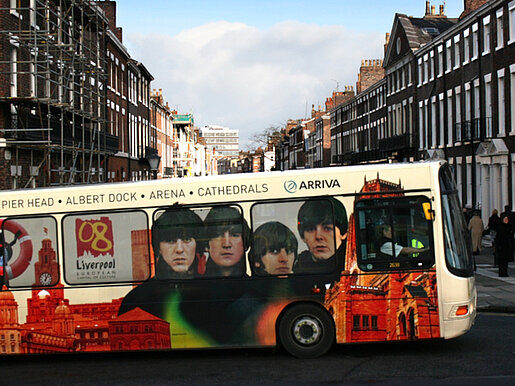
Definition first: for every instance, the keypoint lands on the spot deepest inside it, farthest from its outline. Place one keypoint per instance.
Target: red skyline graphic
(54, 325)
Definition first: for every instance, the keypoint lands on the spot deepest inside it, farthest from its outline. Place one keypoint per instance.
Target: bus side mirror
(428, 212)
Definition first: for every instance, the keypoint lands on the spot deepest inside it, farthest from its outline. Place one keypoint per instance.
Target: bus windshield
(458, 250)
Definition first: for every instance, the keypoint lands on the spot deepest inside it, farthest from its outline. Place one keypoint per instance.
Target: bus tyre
(306, 331)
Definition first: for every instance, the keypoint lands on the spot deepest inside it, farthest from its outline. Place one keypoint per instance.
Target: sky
(250, 65)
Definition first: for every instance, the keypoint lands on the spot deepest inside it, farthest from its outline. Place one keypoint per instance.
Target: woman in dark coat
(504, 245)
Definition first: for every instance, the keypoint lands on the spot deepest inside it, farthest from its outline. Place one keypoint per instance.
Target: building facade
(224, 140)
(446, 91)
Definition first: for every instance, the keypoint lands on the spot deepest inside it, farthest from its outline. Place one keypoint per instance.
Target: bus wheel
(306, 331)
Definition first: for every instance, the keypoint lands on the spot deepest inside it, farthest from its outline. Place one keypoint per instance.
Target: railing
(88, 139)
(397, 142)
(475, 129)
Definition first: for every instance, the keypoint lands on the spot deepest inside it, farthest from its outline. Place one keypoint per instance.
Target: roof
(137, 314)
(420, 31)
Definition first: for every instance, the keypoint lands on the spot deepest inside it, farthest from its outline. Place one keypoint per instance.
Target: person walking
(476, 229)
(504, 245)
(511, 218)
(493, 224)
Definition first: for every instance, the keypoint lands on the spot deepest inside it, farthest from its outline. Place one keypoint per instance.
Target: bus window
(300, 237)
(200, 242)
(458, 247)
(106, 247)
(28, 253)
(393, 233)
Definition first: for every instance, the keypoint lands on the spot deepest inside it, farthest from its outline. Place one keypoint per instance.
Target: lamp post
(153, 161)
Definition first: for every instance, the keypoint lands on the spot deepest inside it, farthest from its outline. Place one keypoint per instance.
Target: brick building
(74, 107)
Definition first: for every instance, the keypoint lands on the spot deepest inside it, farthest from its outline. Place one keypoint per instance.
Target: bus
(296, 259)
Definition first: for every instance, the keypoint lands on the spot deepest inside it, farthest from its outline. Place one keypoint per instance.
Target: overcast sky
(248, 65)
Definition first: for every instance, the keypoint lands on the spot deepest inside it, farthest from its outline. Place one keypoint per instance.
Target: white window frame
(448, 54)
(440, 60)
(431, 65)
(466, 46)
(512, 96)
(457, 52)
(486, 35)
(457, 101)
(450, 127)
(499, 27)
(475, 41)
(511, 21)
(13, 9)
(488, 105)
(441, 103)
(501, 103)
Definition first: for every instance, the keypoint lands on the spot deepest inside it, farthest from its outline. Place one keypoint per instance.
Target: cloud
(238, 76)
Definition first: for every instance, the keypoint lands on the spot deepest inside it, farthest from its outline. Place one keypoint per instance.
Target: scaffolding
(53, 72)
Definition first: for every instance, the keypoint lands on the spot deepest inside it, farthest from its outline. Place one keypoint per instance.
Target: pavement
(494, 293)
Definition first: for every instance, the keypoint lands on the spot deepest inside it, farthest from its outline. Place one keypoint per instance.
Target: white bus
(301, 259)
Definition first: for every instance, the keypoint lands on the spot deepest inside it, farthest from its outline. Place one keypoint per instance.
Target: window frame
(99, 213)
(422, 261)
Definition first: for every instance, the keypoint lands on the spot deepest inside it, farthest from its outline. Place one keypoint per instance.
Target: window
(356, 325)
(488, 104)
(421, 122)
(432, 126)
(501, 103)
(373, 322)
(475, 41)
(365, 322)
(486, 35)
(511, 21)
(448, 54)
(458, 124)
(441, 123)
(425, 77)
(440, 60)
(420, 72)
(457, 59)
(512, 96)
(458, 253)
(449, 118)
(432, 65)
(32, 234)
(499, 29)
(283, 244)
(394, 233)
(105, 247)
(466, 46)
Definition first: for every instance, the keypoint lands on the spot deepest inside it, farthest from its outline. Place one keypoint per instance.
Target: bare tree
(262, 138)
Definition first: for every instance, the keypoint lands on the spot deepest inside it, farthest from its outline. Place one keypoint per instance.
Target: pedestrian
(493, 224)
(476, 229)
(467, 214)
(504, 244)
(511, 218)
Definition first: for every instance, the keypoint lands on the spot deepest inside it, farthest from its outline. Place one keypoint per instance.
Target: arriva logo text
(291, 186)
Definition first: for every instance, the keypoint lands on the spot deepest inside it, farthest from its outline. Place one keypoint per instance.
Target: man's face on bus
(178, 254)
(226, 249)
(278, 262)
(321, 239)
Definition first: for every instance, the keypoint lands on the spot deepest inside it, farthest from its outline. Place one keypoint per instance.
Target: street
(485, 355)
